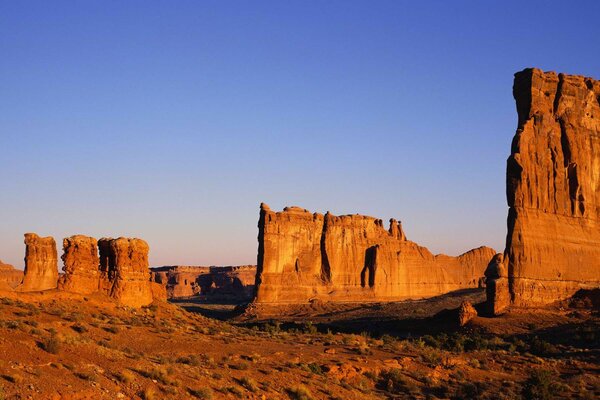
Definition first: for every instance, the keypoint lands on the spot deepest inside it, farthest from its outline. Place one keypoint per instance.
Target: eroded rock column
(81, 265)
(41, 263)
(124, 266)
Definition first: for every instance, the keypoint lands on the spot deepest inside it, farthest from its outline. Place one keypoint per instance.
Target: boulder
(41, 264)
(304, 256)
(466, 312)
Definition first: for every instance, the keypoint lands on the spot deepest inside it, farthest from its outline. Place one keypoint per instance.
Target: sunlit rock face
(10, 277)
(304, 256)
(41, 263)
(124, 265)
(81, 265)
(553, 188)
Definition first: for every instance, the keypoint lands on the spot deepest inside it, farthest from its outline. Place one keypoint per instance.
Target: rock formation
(496, 287)
(466, 312)
(230, 283)
(553, 188)
(124, 265)
(41, 264)
(304, 256)
(10, 277)
(81, 265)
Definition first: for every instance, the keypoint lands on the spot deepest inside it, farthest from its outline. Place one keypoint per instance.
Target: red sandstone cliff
(553, 188)
(10, 277)
(228, 282)
(304, 256)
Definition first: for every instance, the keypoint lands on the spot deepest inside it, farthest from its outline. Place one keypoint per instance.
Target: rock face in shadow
(235, 283)
(124, 268)
(496, 286)
(41, 264)
(553, 188)
(304, 256)
(81, 265)
(10, 277)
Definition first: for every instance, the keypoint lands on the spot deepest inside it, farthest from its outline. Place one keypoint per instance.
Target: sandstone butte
(233, 282)
(553, 189)
(41, 264)
(352, 258)
(10, 277)
(116, 267)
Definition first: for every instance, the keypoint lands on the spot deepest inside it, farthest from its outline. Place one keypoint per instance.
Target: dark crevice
(369, 268)
(325, 267)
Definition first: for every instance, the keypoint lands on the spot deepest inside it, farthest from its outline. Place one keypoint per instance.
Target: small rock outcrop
(553, 188)
(466, 312)
(41, 263)
(81, 265)
(124, 266)
(496, 286)
(352, 258)
(10, 277)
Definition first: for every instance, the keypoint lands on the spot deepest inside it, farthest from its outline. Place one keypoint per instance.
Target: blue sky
(172, 121)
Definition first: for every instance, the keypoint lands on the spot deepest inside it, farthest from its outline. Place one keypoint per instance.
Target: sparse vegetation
(299, 393)
(52, 344)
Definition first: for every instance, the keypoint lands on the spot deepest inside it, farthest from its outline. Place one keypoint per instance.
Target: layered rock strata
(81, 265)
(229, 282)
(10, 277)
(304, 256)
(553, 188)
(41, 263)
(125, 271)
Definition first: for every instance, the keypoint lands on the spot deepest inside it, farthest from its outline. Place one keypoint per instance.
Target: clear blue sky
(172, 121)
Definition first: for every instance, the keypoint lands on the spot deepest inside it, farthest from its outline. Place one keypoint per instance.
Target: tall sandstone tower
(41, 263)
(553, 188)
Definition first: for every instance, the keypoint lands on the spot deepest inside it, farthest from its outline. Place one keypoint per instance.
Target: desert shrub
(241, 366)
(149, 394)
(13, 378)
(6, 301)
(393, 381)
(86, 376)
(51, 345)
(313, 368)
(111, 329)
(308, 327)
(540, 385)
(159, 374)
(189, 360)
(299, 393)
(541, 347)
(203, 393)
(249, 383)
(431, 356)
(469, 390)
(13, 324)
(125, 376)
